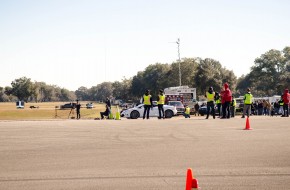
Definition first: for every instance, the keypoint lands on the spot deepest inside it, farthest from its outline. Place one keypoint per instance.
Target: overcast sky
(73, 43)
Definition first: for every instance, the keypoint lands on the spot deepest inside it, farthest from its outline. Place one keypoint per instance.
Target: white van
(20, 104)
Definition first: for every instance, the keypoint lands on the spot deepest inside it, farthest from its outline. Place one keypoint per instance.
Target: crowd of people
(226, 104)
(222, 104)
(279, 107)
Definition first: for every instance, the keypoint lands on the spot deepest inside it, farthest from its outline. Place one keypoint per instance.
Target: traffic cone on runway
(191, 182)
(247, 124)
(111, 116)
(118, 115)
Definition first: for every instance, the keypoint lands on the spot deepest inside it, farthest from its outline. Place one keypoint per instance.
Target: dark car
(32, 107)
(203, 110)
(68, 106)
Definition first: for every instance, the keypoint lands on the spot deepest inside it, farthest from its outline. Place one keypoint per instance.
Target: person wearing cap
(226, 98)
(248, 99)
(160, 103)
(210, 94)
(286, 101)
(147, 101)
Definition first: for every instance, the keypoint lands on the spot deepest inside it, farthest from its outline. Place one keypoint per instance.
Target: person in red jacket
(286, 100)
(226, 96)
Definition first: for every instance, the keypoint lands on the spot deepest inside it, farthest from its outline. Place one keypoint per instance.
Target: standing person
(233, 107)
(286, 100)
(276, 107)
(210, 102)
(78, 108)
(218, 103)
(196, 108)
(108, 102)
(281, 103)
(160, 103)
(147, 101)
(260, 107)
(248, 98)
(226, 97)
(266, 107)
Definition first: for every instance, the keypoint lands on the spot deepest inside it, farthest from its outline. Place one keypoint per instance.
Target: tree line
(269, 75)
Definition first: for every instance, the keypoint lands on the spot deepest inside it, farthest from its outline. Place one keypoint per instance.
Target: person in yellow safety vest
(218, 103)
(186, 113)
(281, 103)
(210, 102)
(160, 103)
(147, 101)
(233, 107)
(248, 99)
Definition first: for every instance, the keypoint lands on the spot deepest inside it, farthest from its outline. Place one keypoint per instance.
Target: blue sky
(73, 43)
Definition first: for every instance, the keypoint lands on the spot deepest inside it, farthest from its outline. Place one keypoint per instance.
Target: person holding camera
(78, 108)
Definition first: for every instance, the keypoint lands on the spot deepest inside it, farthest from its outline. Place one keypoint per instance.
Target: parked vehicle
(240, 104)
(203, 110)
(90, 105)
(20, 104)
(179, 106)
(137, 111)
(68, 106)
(185, 94)
(33, 107)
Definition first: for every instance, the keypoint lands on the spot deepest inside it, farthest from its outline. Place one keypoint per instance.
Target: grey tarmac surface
(145, 154)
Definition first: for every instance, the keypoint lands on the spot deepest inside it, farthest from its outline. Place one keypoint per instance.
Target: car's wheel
(168, 114)
(134, 114)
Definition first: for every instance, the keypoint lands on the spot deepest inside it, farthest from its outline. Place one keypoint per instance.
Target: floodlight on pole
(178, 44)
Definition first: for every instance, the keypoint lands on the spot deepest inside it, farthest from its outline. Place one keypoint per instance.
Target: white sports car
(137, 111)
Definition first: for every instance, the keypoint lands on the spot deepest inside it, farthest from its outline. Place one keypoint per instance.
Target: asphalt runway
(145, 154)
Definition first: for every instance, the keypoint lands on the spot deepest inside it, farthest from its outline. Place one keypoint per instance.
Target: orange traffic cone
(247, 124)
(194, 184)
(190, 181)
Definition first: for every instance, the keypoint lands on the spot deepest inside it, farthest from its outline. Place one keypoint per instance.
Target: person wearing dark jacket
(276, 107)
(226, 96)
(105, 113)
(196, 108)
(108, 102)
(147, 101)
(210, 102)
(78, 108)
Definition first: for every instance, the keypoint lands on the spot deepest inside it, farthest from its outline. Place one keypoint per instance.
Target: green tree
(269, 75)
(82, 93)
(101, 91)
(210, 73)
(22, 88)
(3, 97)
(121, 90)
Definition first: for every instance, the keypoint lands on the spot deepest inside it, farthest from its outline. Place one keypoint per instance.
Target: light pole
(178, 44)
